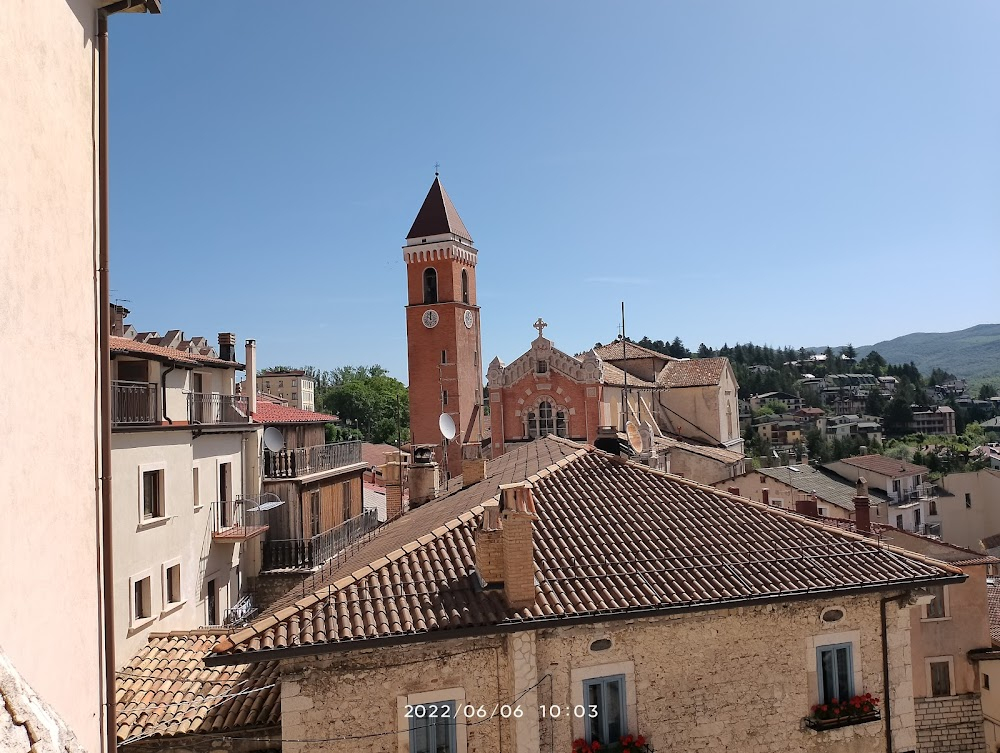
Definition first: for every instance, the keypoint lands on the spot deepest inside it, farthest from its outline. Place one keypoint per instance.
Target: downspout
(104, 340)
(885, 673)
(163, 392)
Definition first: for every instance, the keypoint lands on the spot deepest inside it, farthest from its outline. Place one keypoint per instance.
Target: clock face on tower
(469, 318)
(430, 318)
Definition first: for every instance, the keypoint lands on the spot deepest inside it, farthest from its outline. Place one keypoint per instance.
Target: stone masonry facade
(950, 724)
(737, 679)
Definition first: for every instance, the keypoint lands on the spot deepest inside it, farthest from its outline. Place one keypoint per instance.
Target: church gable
(543, 359)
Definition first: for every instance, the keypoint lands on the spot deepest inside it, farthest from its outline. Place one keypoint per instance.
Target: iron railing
(135, 403)
(240, 613)
(212, 408)
(301, 461)
(923, 491)
(308, 553)
(232, 519)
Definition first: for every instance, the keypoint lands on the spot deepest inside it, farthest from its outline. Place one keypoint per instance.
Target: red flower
(641, 740)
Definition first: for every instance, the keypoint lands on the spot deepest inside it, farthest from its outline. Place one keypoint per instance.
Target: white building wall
(183, 535)
(49, 496)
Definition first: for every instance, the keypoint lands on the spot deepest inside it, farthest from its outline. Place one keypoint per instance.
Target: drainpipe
(885, 674)
(163, 392)
(107, 560)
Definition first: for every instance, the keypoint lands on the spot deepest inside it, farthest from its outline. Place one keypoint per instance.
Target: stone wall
(739, 679)
(950, 724)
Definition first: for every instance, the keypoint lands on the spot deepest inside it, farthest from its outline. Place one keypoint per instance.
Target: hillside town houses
(571, 552)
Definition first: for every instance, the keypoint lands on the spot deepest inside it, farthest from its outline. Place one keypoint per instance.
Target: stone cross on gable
(540, 325)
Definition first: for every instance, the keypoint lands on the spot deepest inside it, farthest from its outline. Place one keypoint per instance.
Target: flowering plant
(626, 744)
(859, 705)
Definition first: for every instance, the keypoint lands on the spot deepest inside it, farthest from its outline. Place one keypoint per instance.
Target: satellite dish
(634, 438)
(273, 439)
(447, 426)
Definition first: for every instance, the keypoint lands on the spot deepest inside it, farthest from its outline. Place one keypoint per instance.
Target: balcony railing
(240, 613)
(301, 461)
(923, 491)
(135, 403)
(212, 408)
(309, 553)
(232, 521)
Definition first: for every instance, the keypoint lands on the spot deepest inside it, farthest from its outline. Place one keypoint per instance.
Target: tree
(849, 351)
(368, 399)
(704, 351)
(898, 416)
(987, 391)
(677, 349)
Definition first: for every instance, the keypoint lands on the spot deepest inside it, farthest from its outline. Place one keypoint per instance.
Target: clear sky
(795, 173)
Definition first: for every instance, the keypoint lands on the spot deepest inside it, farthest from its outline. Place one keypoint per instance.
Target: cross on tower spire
(540, 325)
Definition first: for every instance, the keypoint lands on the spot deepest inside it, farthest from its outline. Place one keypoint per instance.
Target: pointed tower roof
(438, 215)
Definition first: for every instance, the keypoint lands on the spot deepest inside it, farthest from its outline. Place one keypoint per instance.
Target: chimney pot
(227, 346)
(734, 490)
(862, 508)
(808, 507)
(423, 476)
(251, 380)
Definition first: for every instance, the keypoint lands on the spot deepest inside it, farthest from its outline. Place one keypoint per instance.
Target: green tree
(987, 391)
(369, 400)
(849, 351)
(898, 416)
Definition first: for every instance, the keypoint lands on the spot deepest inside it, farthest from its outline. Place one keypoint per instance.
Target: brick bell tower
(442, 329)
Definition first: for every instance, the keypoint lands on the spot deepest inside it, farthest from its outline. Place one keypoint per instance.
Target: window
(968, 499)
(895, 485)
(542, 367)
(465, 286)
(295, 382)
(986, 682)
(547, 420)
(937, 609)
(835, 672)
(430, 285)
(142, 598)
(211, 603)
(281, 383)
(444, 356)
(315, 511)
(899, 522)
(433, 728)
(932, 507)
(196, 487)
(172, 585)
(444, 397)
(152, 494)
(608, 695)
(348, 499)
(916, 520)
(940, 673)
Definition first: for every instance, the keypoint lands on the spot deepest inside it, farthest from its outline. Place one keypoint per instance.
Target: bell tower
(442, 330)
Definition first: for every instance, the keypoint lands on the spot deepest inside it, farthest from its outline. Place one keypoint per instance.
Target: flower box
(844, 721)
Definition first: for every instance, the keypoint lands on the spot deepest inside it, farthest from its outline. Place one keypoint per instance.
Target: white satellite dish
(447, 426)
(634, 438)
(273, 439)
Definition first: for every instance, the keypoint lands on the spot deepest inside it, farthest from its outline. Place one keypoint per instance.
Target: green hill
(972, 354)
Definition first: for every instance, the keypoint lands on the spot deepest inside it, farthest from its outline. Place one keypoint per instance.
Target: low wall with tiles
(950, 724)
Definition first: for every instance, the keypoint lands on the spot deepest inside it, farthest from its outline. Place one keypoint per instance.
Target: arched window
(430, 285)
(465, 286)
(545, 420)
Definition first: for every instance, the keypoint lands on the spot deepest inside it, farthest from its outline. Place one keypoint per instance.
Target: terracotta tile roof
(993, 595)
(374, 454)
(612, 538)
(437, 215)
(827, 486)
(613, 352)
(167, 690)
(134, 347)
(697, 372)
(720, 454)
(991, 542)
(272, 413)
(615, 377)
(885, 466)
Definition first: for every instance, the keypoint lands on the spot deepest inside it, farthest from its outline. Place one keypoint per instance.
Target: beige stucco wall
(184, 535)
(965, 628)
(967, 526)
(700, 682)
(48, 319)
(991, 702)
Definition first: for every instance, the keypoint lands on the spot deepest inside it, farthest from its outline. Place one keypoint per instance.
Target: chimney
(250, 385)
(227, 346)
(423, 480)
(473, 465)
(505, 545)
(734, 490)
(765, 496)
(392, 475)
(118, 314)
(862, 508)
(808, 506)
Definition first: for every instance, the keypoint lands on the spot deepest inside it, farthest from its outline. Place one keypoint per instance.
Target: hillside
(972, 354)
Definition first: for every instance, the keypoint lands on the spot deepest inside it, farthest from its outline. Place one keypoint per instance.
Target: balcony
(236, 520)
(134, 403)
(212, 408)
(309, 553)
(302, 461)
(240, 613)
(920, 492)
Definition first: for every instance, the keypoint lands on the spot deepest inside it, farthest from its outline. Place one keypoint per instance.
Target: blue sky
(783, 172)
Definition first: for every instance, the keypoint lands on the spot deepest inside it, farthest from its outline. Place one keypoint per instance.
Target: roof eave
(514, 626)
